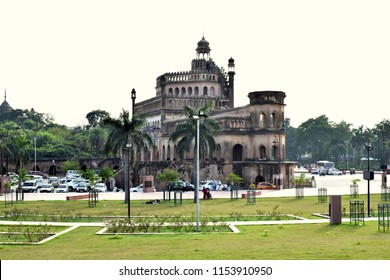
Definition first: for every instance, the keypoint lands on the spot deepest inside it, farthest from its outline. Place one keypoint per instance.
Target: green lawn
(274, 242)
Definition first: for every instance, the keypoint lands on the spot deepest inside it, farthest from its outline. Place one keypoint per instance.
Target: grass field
(273, 242)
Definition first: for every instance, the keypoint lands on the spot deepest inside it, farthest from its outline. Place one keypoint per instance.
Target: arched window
(263, 121)
(169, 152)
(205, 92)
(189, 90)
(183, 90)
(170, 91)
(274, 120)
(176, 91)
(196, 91)
(274, 152)
(263, 152)
(212, 91)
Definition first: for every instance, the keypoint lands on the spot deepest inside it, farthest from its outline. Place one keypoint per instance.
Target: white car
(335, 171)
(212, 185)
(62, 188)
(139, 188)
(100, 187)
(30, 186)
(54, 181)
(72, 184)
(83, 185)
(49, 188)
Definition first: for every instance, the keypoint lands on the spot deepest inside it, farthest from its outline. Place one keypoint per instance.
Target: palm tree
(127, 138)
(4, 152)
(185, 132)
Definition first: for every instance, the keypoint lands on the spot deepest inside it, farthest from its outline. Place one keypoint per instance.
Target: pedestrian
(204, 191)
(313, 182)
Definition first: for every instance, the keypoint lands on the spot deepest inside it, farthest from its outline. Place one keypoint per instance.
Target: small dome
(203, 46)
(5, 107)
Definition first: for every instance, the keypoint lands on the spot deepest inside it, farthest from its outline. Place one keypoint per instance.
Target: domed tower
(231, 73)
(203, 61)
(203, 49)
(5, 107)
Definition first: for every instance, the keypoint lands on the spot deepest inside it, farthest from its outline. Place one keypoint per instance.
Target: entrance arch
(237, 152)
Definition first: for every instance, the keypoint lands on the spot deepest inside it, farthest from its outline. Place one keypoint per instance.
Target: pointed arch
(238, 152)
(262, 121)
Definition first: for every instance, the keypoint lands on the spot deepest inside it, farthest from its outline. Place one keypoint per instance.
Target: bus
(324, 164)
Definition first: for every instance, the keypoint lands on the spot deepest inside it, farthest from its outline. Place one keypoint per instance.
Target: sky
(68, 58)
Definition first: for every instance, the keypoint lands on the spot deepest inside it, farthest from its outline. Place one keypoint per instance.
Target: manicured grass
(301, 242)
(274, 242)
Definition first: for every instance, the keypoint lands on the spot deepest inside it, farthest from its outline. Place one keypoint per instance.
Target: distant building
(252, 141)
(5, 107)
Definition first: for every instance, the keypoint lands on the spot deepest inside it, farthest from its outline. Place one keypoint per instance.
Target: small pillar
(148, 182)
(335, 209)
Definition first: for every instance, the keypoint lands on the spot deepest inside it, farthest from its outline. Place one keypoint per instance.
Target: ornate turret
(5, 107)
(203, 49)
(231, 73)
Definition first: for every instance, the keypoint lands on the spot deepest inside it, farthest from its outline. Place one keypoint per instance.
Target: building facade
(252, 139)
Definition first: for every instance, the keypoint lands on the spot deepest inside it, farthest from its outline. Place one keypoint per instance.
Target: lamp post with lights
(200, 115)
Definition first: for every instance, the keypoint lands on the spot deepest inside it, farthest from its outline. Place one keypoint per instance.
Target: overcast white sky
(67, 58)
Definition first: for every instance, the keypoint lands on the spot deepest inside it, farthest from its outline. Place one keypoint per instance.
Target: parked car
(265, 186)
(54, 181)
(72, 173)
(139, 188)
(30, 186)
(335, 171)
(47, 188)
(100, 187)
(39, 173)
(209, 184)
(180, 185)
(62, 188)
(83, 185)
(38, 179)
(314, 171)
(72, 184)
(188, 186)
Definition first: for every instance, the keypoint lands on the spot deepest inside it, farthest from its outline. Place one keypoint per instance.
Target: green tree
(168, 175)
(313, 136)
(96, 118)
(127, 137)
(90, 175)
(106, 173)
(233, 179)
(72, 164)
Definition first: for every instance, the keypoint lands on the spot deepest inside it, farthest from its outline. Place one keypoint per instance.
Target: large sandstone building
(252, 139)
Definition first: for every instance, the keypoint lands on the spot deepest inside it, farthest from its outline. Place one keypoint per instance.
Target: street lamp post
(368, 175)
(197, 174)
(126, 178)
(35, 153)
(197, 118)
(279, 146)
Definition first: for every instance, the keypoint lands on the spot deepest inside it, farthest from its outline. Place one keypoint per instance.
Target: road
(334, 185)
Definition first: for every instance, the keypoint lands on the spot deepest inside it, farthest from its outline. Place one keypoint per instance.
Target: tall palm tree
(126, 131)
(4, 152)
(185, 132)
